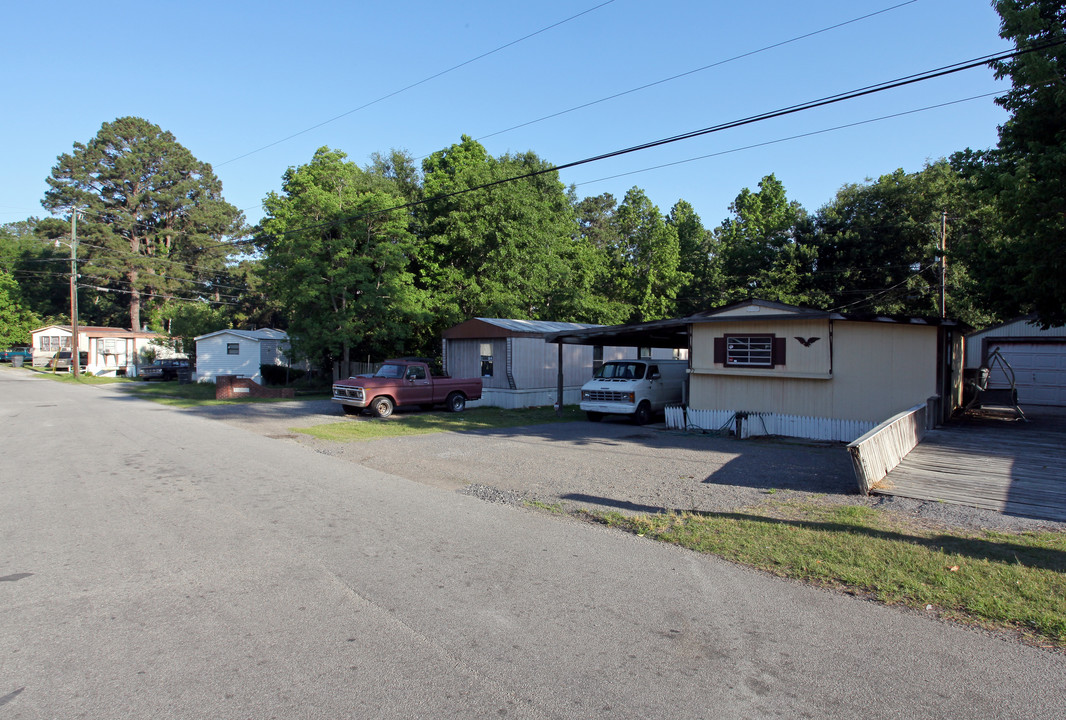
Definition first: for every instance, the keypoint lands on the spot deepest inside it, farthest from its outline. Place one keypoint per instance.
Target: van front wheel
(643, 414)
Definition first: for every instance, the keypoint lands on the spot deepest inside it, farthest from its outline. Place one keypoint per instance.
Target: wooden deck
(992, 462)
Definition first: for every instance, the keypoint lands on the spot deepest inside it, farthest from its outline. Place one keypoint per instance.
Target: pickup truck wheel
(457, 402)
(349, 410)
(594, 416)
(381, 407)
(643, 414)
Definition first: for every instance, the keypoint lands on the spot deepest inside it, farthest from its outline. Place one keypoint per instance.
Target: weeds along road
(158, 564)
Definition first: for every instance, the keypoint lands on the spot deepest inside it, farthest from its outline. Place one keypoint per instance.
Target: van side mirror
(654, 376)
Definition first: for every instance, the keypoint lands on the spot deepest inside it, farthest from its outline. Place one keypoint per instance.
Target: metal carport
(672, 334)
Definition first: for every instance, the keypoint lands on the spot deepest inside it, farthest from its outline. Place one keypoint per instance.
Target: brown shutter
(719, 351)
(779, 351)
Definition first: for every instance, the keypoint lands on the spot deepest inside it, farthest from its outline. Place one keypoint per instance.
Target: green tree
(398, 167)
(698, 258)
(16, 321)
(337, 260)
(152, 215)
(41, 270)
(759, 250)
(645, 259)
(596, 296)
(1027, 171)
(255, 303)
(878, 244)
(499, 251)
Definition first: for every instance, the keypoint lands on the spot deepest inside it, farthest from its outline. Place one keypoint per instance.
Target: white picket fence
(759, 424)
(680, 418)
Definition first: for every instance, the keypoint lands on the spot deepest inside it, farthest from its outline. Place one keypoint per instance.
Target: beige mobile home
(838, 374)
(765, 368)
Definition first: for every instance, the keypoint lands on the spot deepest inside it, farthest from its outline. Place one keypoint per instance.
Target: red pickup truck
(404, 382)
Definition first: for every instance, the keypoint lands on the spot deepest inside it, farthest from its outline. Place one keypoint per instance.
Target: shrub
(279, 374)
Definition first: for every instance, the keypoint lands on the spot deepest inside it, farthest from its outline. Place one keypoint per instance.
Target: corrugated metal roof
(535, 326)
(261, 334)
(1024, 326)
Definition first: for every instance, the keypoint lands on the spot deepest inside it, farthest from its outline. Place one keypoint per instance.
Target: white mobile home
(240, 353)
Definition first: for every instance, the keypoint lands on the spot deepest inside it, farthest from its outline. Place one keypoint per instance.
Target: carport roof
(674, 333)
(658, 333)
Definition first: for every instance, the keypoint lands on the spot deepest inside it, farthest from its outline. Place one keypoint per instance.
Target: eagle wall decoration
(807, 342)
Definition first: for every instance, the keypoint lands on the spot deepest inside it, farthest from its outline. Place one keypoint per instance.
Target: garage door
(1039, 370)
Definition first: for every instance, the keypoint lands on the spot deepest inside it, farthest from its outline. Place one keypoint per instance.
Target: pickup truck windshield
(620, 371)
(394, 372)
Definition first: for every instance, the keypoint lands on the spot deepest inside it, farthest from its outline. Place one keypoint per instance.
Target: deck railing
(875, 454)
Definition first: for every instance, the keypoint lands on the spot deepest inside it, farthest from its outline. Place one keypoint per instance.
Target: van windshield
(620, 371)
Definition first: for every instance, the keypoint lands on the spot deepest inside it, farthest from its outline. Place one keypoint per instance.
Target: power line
(916, 274)
(821, 102)
(751, 119)
(155, 258)
(696, 70)
(790, 137)
(144, 294)
(420, 82)
(115, 280)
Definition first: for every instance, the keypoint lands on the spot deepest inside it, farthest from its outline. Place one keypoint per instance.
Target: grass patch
(997, 580)
(554, 508)
(191, 395)
(82, 379)
(424, 423)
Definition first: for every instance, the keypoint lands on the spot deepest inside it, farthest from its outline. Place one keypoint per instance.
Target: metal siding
(577, 365)
(533, 363)
(1039, 372)
(464, 360)
(1017, 329)
(878, 370)
(883, 369)
(212, 359)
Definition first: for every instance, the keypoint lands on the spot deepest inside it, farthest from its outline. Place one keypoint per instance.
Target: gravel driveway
(607, 465)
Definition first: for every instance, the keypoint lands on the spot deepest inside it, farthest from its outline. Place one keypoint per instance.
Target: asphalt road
(158, 564)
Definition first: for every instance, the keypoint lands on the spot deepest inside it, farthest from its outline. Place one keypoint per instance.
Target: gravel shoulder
(612, 465)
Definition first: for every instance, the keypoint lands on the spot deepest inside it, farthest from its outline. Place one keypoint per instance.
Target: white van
(638, 388)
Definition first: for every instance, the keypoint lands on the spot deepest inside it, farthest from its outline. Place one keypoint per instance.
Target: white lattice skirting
(757, 424)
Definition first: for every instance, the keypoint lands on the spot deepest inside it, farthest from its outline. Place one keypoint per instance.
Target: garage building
(1037, 357)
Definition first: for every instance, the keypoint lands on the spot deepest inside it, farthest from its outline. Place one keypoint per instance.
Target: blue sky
(228, 78)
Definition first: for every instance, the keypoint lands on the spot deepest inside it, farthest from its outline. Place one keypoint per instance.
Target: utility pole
(943, 264)
(75, 354)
